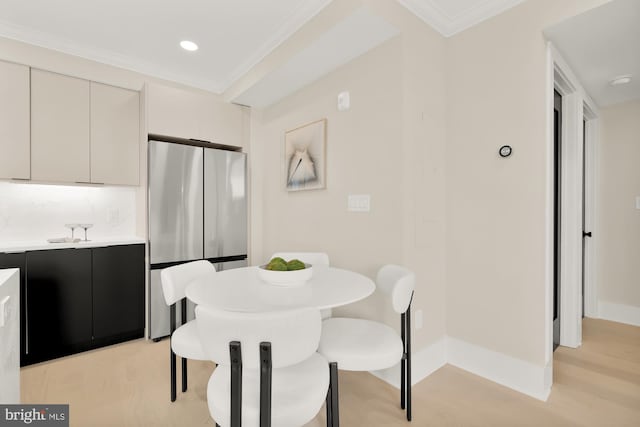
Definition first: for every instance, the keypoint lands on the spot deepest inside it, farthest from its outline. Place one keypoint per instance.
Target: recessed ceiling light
(620, 80)
(188, 45)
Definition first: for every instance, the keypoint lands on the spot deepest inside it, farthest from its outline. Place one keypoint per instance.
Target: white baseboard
(424, 362)
(516, 374)
(622, 313)
(519, 375)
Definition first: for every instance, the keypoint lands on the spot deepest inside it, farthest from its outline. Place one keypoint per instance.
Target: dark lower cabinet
(118, 293)
(74, 300)
(58, 303)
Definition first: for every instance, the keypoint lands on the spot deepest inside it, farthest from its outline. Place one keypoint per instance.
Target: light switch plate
(638, 202)
(344, 101)
(359, 203)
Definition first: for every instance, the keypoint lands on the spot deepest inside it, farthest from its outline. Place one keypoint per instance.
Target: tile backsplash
(39, 211)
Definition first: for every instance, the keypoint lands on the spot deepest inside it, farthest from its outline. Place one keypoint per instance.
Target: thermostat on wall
(505, 151)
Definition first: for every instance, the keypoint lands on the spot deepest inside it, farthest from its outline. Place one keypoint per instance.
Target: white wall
(618, 228)
(390, 144)
(38, 211)
(496, 225)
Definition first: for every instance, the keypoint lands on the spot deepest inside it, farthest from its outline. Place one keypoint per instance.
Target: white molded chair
(313, 258)
(365, 345)
(268, 370)
(185, 341)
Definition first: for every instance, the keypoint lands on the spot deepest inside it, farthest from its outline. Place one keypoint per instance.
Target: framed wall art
(305, 162)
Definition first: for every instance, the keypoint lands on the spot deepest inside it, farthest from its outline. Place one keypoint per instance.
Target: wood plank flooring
(128, 385)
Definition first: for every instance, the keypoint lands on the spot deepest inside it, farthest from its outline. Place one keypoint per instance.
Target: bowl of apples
(279, 272)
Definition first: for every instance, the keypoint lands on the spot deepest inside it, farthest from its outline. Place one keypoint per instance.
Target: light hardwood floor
(128, 385)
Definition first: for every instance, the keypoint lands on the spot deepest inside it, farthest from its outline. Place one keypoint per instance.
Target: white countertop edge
(38, 245)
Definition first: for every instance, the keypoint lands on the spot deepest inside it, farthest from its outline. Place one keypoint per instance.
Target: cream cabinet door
(115, 135)
(227, 124)
(14, 121)
(59, 127)
(174, 112)
(194, 114)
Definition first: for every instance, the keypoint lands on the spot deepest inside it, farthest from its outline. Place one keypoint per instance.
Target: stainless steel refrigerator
(197, 210)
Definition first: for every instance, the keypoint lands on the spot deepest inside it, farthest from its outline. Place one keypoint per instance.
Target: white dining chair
(365, 345)
(185, 341)
(313, 258)
(269, 372)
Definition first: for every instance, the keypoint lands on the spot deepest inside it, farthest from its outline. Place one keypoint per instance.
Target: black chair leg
(333, 381)
(265, 384)
(403, 364)
(173, 375)
(328, 402)
(172, 327)
(408, 385)
(183, 318)
(184, 374)
(235, 354)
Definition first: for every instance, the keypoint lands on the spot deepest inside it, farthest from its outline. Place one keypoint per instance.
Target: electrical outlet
(418, 319)
(359, 203)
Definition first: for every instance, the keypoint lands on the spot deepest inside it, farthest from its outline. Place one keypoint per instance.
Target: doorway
(557, 188)
(571, 157)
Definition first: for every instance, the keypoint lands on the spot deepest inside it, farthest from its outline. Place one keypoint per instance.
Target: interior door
(557, 185)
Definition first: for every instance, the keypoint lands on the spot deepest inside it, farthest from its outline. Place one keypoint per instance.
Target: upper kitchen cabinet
(59, 127)
(115, 135)
(14, 121)
(83, 131)
(194, 114)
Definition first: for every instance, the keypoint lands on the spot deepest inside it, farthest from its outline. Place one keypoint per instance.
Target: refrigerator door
(158, 309)
(175, 202)
(230, 265)
(225, 203)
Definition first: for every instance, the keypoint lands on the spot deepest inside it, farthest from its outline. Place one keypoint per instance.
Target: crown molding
(431, 13)
(293, 23)
(103, 56)
(298, 17)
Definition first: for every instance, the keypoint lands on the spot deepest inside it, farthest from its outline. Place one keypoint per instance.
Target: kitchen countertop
(37, 245)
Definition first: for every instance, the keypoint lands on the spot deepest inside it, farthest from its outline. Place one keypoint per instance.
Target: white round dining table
(241, 289)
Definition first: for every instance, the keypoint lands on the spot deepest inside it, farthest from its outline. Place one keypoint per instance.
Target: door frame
(577, 106)
(591, 145)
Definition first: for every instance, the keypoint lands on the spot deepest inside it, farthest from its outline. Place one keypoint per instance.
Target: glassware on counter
(72, 227)
(86, 227)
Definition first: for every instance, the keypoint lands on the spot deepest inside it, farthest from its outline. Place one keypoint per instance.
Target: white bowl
(286, 278)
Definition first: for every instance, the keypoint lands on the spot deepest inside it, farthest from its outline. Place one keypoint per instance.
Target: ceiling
(601, 44)
(358, 33)
(233, 35)
(452, 16)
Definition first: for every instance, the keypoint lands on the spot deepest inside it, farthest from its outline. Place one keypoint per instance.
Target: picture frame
(305, 156)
